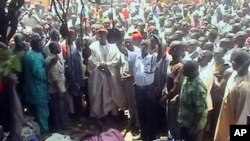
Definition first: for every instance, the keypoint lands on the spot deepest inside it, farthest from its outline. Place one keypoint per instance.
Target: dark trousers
(5, 112)
(10, 114)
(215, 115)
(174, 126)
(77, 101)
(187, 136)
(162, 118)
(146, 103)
(208, 131)
(129, 91)
(78, 98)
(59, 112)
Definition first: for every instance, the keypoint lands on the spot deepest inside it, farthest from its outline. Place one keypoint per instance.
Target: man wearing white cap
(105, 94)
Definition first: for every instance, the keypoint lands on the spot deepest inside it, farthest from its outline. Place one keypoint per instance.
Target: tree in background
(62, 11)
(9, 13)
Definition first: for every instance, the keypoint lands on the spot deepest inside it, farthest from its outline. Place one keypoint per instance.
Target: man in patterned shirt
(193, 106)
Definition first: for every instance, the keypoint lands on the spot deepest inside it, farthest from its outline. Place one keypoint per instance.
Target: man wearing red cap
(65, 48)
(136, 37)
(104, 92)
(127, 84)
(144, 66)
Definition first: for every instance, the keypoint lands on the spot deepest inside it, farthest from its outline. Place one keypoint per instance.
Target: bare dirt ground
(85, 125)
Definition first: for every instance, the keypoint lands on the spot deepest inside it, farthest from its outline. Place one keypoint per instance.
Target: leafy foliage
(9, 63)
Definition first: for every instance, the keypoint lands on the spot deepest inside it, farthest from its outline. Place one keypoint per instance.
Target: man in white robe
(31, 19)
(104, 90)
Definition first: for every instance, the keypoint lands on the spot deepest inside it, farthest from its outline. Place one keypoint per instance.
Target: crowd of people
(178, 68)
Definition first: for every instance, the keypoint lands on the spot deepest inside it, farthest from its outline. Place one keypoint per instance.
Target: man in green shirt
(193, 108)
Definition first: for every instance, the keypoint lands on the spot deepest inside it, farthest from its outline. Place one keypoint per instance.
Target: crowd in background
(178, 68)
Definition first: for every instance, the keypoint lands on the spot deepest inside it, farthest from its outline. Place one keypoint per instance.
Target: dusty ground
(84, 125)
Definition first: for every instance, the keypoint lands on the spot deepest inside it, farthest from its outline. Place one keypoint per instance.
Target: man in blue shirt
(144, 66)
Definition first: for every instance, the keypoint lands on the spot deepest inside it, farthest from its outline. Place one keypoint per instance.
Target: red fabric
(64, 47)
(1, 86)
(102, 30)
(136, 36)
(65, 50)
(125, 13)
(72, 33)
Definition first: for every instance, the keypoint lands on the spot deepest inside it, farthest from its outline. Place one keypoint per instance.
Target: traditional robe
(225, 120)
(104, 90)
(234, 110)
(31, 21)
(35, 78)
(36, 89)
(234, 80)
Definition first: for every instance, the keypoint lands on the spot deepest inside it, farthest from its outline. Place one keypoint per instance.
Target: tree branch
(56, 10)
(61, 7)
(10, 21)
(81, 19)
(67, 10)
